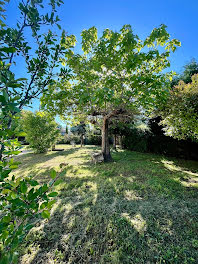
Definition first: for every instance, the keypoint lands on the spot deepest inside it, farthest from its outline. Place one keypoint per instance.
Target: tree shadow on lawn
(120, 212)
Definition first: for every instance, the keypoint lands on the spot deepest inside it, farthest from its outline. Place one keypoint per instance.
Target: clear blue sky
(180, 16)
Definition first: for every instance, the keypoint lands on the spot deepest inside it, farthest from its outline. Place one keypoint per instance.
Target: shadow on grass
(33, 158)
(134, 210)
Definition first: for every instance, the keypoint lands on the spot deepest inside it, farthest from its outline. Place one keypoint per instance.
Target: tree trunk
(53, 147)
(81, 141)
(121, 142)
(114, 142)
(105, 140)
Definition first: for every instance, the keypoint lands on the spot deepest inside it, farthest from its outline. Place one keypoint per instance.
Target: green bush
(155, 141)
(41, 130)
(66, 139)
(93, 139)
(136, 140)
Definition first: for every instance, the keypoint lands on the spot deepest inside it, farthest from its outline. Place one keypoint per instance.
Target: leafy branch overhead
(24, 200)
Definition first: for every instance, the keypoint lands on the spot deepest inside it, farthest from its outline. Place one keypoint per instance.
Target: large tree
(113, 76)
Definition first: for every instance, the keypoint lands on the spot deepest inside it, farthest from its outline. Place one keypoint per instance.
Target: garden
(98, 142)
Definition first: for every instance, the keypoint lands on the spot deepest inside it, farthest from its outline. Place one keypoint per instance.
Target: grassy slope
(142, 208)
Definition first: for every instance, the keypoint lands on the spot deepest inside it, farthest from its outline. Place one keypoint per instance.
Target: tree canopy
(180, 114)
(114, 70)
(116, 74)
(190, 69)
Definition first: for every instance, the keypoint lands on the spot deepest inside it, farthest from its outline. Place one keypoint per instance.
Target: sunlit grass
(141, 208)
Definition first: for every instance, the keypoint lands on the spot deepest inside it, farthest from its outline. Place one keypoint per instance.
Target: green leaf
(14, 195)
(58, 182)
(43, 205)
(5, 260)
(15, 152)
(6, 191)
(45, 214)
(52, 194)
(5, 234)
(33, 183)
(50, 204)
(29, 226)
(22, 79)
(53, 174)
(5, 95)
(23, 187)
(8, 49)
(13, 166)
(21, 134)
(6, 219)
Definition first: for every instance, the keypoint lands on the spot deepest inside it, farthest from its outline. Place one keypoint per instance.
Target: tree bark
(81, 140)
(105, 140)
(114, 142)
(53, 147)
(121, 142)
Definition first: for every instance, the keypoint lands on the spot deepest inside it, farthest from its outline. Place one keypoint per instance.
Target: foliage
(108, 64)
(90, 139)
(41, 130)
(23, 202)
(180, 114)
(67, 139)
(135, 139)
(40, 60)
(80, 130)
(21, 198)
(153, 140)
(115, 75)
(190, 69)
(93, 139)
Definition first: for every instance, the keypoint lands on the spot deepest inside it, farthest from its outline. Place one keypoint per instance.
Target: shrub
(156, 142)
(136, 140)
(93, 139)
(41, 130)
(66, 139)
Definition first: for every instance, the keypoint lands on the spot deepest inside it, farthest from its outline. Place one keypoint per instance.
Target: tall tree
(116, 74)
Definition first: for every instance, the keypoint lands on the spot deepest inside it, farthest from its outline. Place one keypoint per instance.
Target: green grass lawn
(141, 208)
